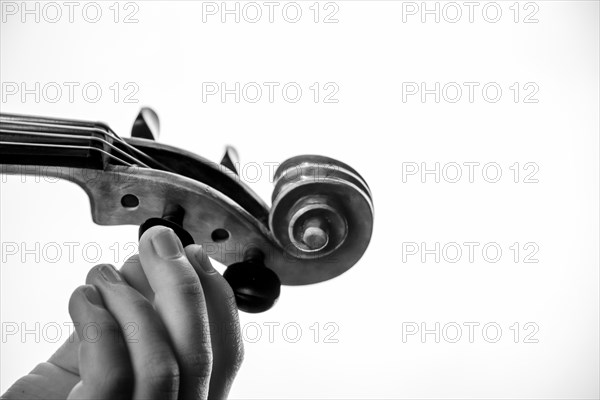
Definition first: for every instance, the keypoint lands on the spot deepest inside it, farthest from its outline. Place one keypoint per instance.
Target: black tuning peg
(172, 218)
(146, 125)
(255, 286)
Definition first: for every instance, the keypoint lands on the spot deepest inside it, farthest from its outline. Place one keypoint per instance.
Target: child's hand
(155, 340)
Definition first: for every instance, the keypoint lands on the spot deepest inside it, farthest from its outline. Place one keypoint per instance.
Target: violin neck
(26, 140)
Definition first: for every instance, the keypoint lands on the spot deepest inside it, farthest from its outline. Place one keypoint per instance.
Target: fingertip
(75, 300)
(163, 260)
(102, 273)
(131, 269)
(85, 304)
(91, 275)
(152, 232)
(92, 294)
(82, 296)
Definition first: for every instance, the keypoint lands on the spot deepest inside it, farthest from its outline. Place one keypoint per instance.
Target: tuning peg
(146, 125)
(255, 286)
(172, 218)
(231, 159)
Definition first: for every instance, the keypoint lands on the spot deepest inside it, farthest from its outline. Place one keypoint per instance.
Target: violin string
(38, 122)
(66, 146)
(136, 150)
(74, 124)
(66, 125)
(70, 136)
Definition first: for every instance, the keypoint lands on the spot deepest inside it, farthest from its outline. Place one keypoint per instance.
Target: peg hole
(130, 201)
(219, 235)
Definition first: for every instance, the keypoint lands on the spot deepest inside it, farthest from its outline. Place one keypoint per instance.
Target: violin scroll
(322, 209)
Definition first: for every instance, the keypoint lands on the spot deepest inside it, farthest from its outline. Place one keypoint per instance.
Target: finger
(104, 364)
(45, 381)
(66, 357)
(134, 275)
(226, 337)
(179, 300)
(154, 365)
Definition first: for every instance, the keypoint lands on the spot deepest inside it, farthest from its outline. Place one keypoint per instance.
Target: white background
(368, 54)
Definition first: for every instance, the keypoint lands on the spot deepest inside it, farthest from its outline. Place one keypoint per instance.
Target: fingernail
(110, 274)
(203, 261)
(92, 296)
(167, 244)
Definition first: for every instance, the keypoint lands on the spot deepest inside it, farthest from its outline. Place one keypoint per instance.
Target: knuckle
(199, 364)
(161, 374)
(234, 333)
(237, 354)
(228, 335)
(119, 378)
(190, 286)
